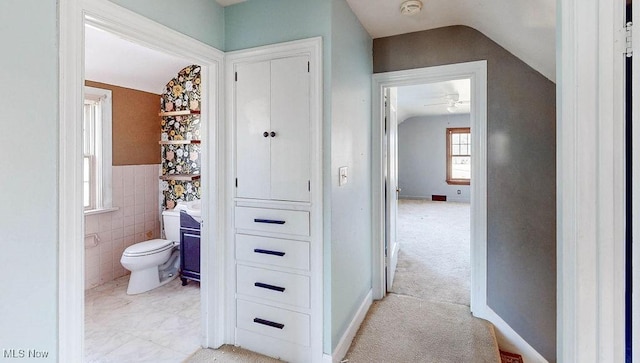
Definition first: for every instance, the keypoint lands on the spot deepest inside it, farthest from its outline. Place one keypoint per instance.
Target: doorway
(162, 322)
(128, 25)
(476, 72)
(433, 172)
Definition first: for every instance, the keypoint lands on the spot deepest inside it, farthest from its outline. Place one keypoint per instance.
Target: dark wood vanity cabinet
(189, 248)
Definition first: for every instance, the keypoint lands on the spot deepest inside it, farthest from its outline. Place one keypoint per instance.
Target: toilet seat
(148, 248)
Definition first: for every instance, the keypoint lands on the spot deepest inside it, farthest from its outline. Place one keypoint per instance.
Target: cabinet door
(253, 111)
(190, 247)
(290, 120)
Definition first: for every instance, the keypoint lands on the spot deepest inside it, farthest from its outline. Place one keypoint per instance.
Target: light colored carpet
(427, 318)
(407, 329)
(434, 259)
(228, 353)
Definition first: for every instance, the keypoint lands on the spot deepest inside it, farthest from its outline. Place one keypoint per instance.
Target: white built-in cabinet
(277, 219)
(272, 129)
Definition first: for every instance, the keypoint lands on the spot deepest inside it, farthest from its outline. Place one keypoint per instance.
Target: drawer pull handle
(268, 323)
(269, 287)
(268, 221)
(269, 252)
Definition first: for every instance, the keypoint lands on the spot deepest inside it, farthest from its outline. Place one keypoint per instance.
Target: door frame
(591, 182)
(477, 72)
(392, 191)
(73, 15)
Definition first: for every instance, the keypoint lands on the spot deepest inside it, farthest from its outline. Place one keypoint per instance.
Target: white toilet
(155, 262)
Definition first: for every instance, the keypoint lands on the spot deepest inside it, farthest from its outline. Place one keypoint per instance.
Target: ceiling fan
(452, 101)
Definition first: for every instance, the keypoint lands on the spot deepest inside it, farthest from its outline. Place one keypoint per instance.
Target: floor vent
(439, 198)
(507, 357)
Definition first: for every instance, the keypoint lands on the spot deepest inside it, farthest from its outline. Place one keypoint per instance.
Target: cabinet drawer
(273, 322)
(273, 220)
(282, 287)
(273, 251)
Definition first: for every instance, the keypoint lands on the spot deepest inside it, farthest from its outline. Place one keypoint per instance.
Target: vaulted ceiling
(526, 28)
(113, 60)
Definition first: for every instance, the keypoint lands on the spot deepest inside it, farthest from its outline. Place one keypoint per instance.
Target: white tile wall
(136, 194)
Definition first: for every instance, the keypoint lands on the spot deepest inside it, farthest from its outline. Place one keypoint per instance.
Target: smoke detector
(411, 7)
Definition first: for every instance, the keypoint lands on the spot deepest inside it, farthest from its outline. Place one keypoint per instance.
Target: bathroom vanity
(189, 248)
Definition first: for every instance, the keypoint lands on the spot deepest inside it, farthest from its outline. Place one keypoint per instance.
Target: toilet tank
(171, 221)
(171, 218)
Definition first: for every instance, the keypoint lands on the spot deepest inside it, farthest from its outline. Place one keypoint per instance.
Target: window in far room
(96, 163)
(459, 156)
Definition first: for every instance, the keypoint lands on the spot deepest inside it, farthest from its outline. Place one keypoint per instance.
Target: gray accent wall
(521, 177)
(422, 157)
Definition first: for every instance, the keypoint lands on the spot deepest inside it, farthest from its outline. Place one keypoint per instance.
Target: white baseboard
(350, 333)
(509, 340)
(413, 197)
(449, 199)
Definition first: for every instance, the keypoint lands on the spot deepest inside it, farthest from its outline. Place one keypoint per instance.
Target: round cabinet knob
(265, 134)
(273, 134)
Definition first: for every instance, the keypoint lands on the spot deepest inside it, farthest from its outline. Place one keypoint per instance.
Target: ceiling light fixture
(411, 7)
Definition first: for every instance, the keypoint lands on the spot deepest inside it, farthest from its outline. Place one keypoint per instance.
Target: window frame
(101, 159)
(449, 132)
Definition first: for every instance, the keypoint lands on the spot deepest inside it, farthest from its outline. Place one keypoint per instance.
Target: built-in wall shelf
(181, 177)
(179, 113)
(178, 142)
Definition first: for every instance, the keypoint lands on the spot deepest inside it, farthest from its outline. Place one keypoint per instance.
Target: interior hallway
(434, 261)
(426, 317)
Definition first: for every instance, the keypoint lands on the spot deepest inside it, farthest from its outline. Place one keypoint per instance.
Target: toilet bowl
(144, 259)
(155, 262)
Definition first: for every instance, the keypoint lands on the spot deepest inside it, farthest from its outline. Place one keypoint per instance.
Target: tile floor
(162, 325)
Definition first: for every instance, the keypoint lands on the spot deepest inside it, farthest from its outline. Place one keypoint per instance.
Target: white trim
(104, 185)
(511, 341)
(590, 177)
(70, 214)
(345, 342)
(635, 170)
(100, 211)
(477, 72)
(136, 28)
(418, 197)
(313, 48)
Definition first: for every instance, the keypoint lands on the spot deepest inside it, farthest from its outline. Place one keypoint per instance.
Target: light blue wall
(422, 155)
(29, 223)
(351, 62)
(29, 99)
(260, 22)
(347, 70)
(199, 19)
(28, 307)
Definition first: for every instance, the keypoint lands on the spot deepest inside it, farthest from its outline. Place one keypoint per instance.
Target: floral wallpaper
(181, 93)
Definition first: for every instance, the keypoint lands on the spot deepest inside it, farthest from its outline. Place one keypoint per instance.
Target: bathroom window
(459, 156)
(96, 167)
